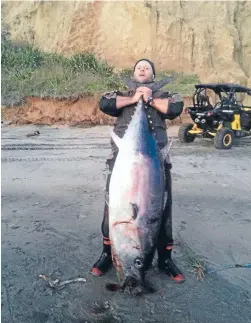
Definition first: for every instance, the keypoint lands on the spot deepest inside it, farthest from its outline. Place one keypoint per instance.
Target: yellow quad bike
(223, 121)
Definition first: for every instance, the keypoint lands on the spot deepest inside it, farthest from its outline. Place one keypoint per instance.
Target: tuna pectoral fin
(113, 287)
(135, 210)
(166, 149)
(115, 138)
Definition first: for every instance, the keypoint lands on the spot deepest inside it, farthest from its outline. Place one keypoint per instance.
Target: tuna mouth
(137, 287)
(130, 283)
(133, 286)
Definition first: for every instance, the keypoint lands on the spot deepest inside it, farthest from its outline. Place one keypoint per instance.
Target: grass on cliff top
(29, 72)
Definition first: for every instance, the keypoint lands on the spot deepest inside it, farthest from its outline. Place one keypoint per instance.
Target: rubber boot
(166, 264)
(104, 262)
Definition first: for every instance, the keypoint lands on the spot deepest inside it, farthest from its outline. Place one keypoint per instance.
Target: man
(160, 106)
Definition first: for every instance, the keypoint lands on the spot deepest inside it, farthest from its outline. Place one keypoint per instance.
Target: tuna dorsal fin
(115, 137)
(135, 210)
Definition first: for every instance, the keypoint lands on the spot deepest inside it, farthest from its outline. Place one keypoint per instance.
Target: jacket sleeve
(175, 105)
(107, 104)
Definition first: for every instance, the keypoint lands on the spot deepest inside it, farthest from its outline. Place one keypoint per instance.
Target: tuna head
(130, 268)
(127, 250)
(131, 274)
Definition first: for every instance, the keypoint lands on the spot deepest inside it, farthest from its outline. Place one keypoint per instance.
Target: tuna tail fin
(159, 84)
(154, 86)
(115, 138)
(129, 83)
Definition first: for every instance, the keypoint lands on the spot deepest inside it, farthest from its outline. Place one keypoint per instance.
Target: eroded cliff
(212, 39)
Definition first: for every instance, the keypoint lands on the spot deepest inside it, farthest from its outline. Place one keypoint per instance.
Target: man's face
(143, 72)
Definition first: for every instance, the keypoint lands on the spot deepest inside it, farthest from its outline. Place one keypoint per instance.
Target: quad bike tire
(224, 139)
(183, 134)
(245, 119)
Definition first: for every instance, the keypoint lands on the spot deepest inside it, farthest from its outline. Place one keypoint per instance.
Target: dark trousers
(165, 239)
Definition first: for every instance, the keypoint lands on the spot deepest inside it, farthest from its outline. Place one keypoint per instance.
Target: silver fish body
(136, 198)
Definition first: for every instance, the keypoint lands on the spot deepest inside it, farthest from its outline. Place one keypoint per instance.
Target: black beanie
(145, 59)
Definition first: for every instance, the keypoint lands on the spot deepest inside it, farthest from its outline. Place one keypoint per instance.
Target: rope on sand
(57, 283)
(230, 267)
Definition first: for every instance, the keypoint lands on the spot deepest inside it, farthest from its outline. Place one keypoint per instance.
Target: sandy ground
(52, 203)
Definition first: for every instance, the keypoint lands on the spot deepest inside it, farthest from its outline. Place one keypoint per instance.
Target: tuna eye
(138, 263)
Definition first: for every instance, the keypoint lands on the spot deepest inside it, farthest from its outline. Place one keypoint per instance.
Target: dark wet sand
(52, 203)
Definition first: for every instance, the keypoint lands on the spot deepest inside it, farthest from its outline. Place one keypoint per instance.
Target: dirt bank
(74, 111)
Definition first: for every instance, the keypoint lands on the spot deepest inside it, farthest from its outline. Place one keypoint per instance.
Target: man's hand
(145, 91)
(137, 96)
(159, 104)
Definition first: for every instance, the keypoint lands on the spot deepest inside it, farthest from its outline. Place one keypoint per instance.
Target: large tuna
(136, 198)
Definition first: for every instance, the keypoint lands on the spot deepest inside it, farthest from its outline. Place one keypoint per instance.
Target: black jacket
(107, 105)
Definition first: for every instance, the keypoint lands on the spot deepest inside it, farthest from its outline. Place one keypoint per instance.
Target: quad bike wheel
(224, 138)
(183, 134)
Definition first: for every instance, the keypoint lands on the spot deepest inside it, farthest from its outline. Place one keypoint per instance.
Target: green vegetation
(29, 72)
(183, 83)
